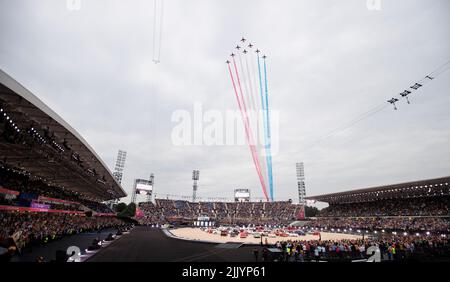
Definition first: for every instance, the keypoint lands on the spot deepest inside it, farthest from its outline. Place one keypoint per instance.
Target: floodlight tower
(118, 171)
(301, 189)
(120, 166)
(301, 183)
(195, 178)
(133, 195)
(152, 182)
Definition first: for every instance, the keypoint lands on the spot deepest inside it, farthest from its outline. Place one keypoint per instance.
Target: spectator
(256, 254)
(40, 228)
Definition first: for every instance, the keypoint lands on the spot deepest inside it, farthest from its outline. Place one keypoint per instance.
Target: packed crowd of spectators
(151, 214)
(30, 190)
(404, 214)
(245, 212)
(220, 210)
(208, 207)
(41, 227)
(397, 248)
(424, 206)
(432, 224)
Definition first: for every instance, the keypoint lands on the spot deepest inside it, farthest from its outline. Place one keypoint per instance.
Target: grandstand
(419, 206)
(52, 183)
(438, 187)
(405, 222)
(221, 212)
(39, 143)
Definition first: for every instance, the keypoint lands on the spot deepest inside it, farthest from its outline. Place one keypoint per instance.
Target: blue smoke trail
(269, 143)
(265, 106)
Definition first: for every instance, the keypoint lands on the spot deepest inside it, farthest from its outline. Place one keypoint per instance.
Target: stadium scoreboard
(143, 187)
(242, 195)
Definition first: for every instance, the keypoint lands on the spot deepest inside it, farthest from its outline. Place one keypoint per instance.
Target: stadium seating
(396, 248)
(429, 206)
(41, 227)
(34, 190)
(242, 212)
(421, 224)
(401, 214)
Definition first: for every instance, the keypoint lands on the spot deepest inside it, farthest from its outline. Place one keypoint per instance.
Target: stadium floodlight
(300, 169)
(195, 175)
(375, 232)
(120, 166)
(417, 234)
(195, 178)
(405, 234)
(428, 232)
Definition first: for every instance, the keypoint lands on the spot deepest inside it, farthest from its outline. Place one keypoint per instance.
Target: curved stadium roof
(47, 147)
(415, 189)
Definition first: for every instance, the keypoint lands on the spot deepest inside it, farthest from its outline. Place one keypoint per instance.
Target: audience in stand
(404, 214)
(41, 227)
(152, 214)
(422, 248)
(30, 190)
(242, 212)
(220, 210)
(424, 206)
(432, 224)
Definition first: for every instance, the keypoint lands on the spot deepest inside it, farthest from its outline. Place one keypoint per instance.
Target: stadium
(60, 201)
(54, 188)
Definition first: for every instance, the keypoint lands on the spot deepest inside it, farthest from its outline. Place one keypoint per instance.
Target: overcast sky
(328, 62)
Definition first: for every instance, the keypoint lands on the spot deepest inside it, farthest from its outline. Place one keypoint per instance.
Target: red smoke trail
(246, 125)
(250, 138)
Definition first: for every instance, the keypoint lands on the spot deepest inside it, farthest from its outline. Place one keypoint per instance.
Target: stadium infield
(146, 244)
(189, 233)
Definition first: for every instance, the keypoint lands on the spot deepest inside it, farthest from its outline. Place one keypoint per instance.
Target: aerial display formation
(247, 68)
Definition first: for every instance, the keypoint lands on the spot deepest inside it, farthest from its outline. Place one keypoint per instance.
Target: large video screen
(242, 195)
(144, 188)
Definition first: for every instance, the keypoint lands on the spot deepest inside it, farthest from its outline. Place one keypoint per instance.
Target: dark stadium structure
(171, 211)
(407, 221)
(438, 187)
(146, 244)
(37, 141)
(416, 207)
(52, 183)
